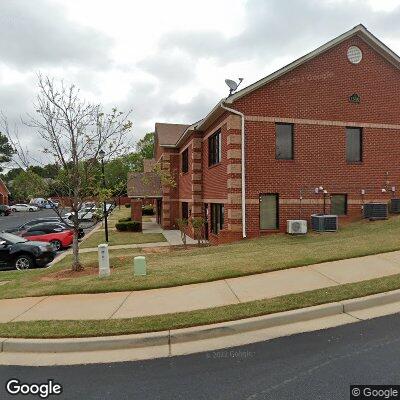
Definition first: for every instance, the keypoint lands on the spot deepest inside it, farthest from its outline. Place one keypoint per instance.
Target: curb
(198, 333)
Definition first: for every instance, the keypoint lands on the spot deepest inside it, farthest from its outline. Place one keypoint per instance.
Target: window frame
(345, 203)
(277, 225)
(276, 141)
(361, 136)
(185, 161)
(217, 222)
(215, 148)
(185, 210)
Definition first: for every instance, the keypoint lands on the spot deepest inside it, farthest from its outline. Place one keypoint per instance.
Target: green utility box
(139, 266)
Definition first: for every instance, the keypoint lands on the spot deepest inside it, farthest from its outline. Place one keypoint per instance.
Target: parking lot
(16, 219)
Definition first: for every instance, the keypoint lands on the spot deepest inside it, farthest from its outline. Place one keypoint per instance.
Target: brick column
(197, 176)
(233, 213)
(170, 205)
(136, 210)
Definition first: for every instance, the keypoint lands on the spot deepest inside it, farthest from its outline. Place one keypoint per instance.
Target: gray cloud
(37, 33)
(275, 28)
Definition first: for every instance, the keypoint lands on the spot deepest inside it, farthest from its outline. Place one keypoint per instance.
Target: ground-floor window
(217, 217)
(185, 210)
(269, 211)
(339, 204)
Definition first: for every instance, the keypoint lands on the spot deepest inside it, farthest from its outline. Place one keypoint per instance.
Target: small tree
(182, 226)
(198, 228)
(27, 185)
(74, 132)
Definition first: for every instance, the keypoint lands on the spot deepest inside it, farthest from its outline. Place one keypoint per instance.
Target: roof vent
(354, 54)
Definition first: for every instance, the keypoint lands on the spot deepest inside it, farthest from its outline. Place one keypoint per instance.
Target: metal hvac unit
(375, 211)
(297, 226)
(395, 206)
(324, 223)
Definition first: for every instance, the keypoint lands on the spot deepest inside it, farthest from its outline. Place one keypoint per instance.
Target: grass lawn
(61, 329)
(194, 265)
(116, 238)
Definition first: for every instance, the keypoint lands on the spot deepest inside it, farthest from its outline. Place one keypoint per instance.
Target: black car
(17, 252)
(60, 221)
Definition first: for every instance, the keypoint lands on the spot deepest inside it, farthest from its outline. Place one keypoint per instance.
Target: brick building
(330, 120)
(4, 193)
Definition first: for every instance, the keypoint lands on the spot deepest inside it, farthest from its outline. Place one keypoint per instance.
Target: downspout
(243, 167)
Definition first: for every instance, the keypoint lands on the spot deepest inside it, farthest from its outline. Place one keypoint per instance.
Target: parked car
(55, 220)
(86, 214)
(56, 234)
(17, 252)
(4, 210)
(24, 207)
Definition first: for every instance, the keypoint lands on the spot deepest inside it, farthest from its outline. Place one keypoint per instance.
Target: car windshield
(8, 237)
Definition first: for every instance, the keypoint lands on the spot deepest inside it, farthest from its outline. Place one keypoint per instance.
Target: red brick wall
(317, 91)
(214, 177)
(320, 90)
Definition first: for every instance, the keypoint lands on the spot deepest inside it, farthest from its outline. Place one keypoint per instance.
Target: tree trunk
(76, 265)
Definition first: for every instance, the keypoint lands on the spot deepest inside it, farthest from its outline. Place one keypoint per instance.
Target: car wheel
(31, 209)
(23, 262)
(56, 244)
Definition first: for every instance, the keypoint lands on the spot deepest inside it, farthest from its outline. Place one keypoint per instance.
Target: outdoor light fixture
(363, 191)
(393, 188)
(383, 190)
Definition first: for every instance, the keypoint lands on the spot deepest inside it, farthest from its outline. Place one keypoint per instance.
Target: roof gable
(359, 30)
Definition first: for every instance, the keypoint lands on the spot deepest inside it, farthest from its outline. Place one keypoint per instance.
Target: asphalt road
(316, 365)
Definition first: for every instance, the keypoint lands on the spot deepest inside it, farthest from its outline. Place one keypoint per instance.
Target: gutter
(243, 166)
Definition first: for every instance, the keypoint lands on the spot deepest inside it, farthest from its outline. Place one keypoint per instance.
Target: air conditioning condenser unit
(296, 226)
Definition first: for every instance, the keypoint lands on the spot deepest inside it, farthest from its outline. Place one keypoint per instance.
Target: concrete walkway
(199, 296)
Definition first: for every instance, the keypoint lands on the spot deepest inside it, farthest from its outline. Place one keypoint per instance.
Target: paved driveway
(19, 218)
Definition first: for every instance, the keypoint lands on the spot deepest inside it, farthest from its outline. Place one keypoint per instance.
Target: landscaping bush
(127, 219)
(128, 226)
(128, 205)
(148, 210)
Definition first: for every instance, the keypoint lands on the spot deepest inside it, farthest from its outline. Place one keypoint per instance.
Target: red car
(59, 236)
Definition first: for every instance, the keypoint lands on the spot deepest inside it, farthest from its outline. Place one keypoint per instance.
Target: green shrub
(148, 210)
(127, 219)
(128, 226)
(128, 205)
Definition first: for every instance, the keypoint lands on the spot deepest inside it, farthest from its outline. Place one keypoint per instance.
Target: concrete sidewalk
(199, 296)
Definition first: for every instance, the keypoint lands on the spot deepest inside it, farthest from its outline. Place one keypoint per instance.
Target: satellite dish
(232, 85)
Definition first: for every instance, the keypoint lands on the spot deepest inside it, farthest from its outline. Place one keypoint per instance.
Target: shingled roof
(144, 184)
(168, 134)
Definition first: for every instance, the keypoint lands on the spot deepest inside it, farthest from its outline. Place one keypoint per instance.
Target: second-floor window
(214, 148)
(185, 161)
(284, 141)
(353, 145)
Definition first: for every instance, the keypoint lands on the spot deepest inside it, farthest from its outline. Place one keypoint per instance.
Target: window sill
(354, 162)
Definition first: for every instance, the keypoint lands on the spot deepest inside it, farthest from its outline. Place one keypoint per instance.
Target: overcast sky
(166, 60)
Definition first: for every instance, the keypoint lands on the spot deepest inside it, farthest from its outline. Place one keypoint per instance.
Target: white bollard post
(104, 261)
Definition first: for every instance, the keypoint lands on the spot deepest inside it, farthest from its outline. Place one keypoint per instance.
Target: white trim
(359, 29)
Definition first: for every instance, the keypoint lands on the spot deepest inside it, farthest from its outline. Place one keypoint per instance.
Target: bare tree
(75, 131)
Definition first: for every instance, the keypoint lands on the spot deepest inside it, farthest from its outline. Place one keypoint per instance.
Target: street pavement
(308, 366)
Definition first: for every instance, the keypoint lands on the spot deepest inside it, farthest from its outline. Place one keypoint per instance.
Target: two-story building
(321, 134)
